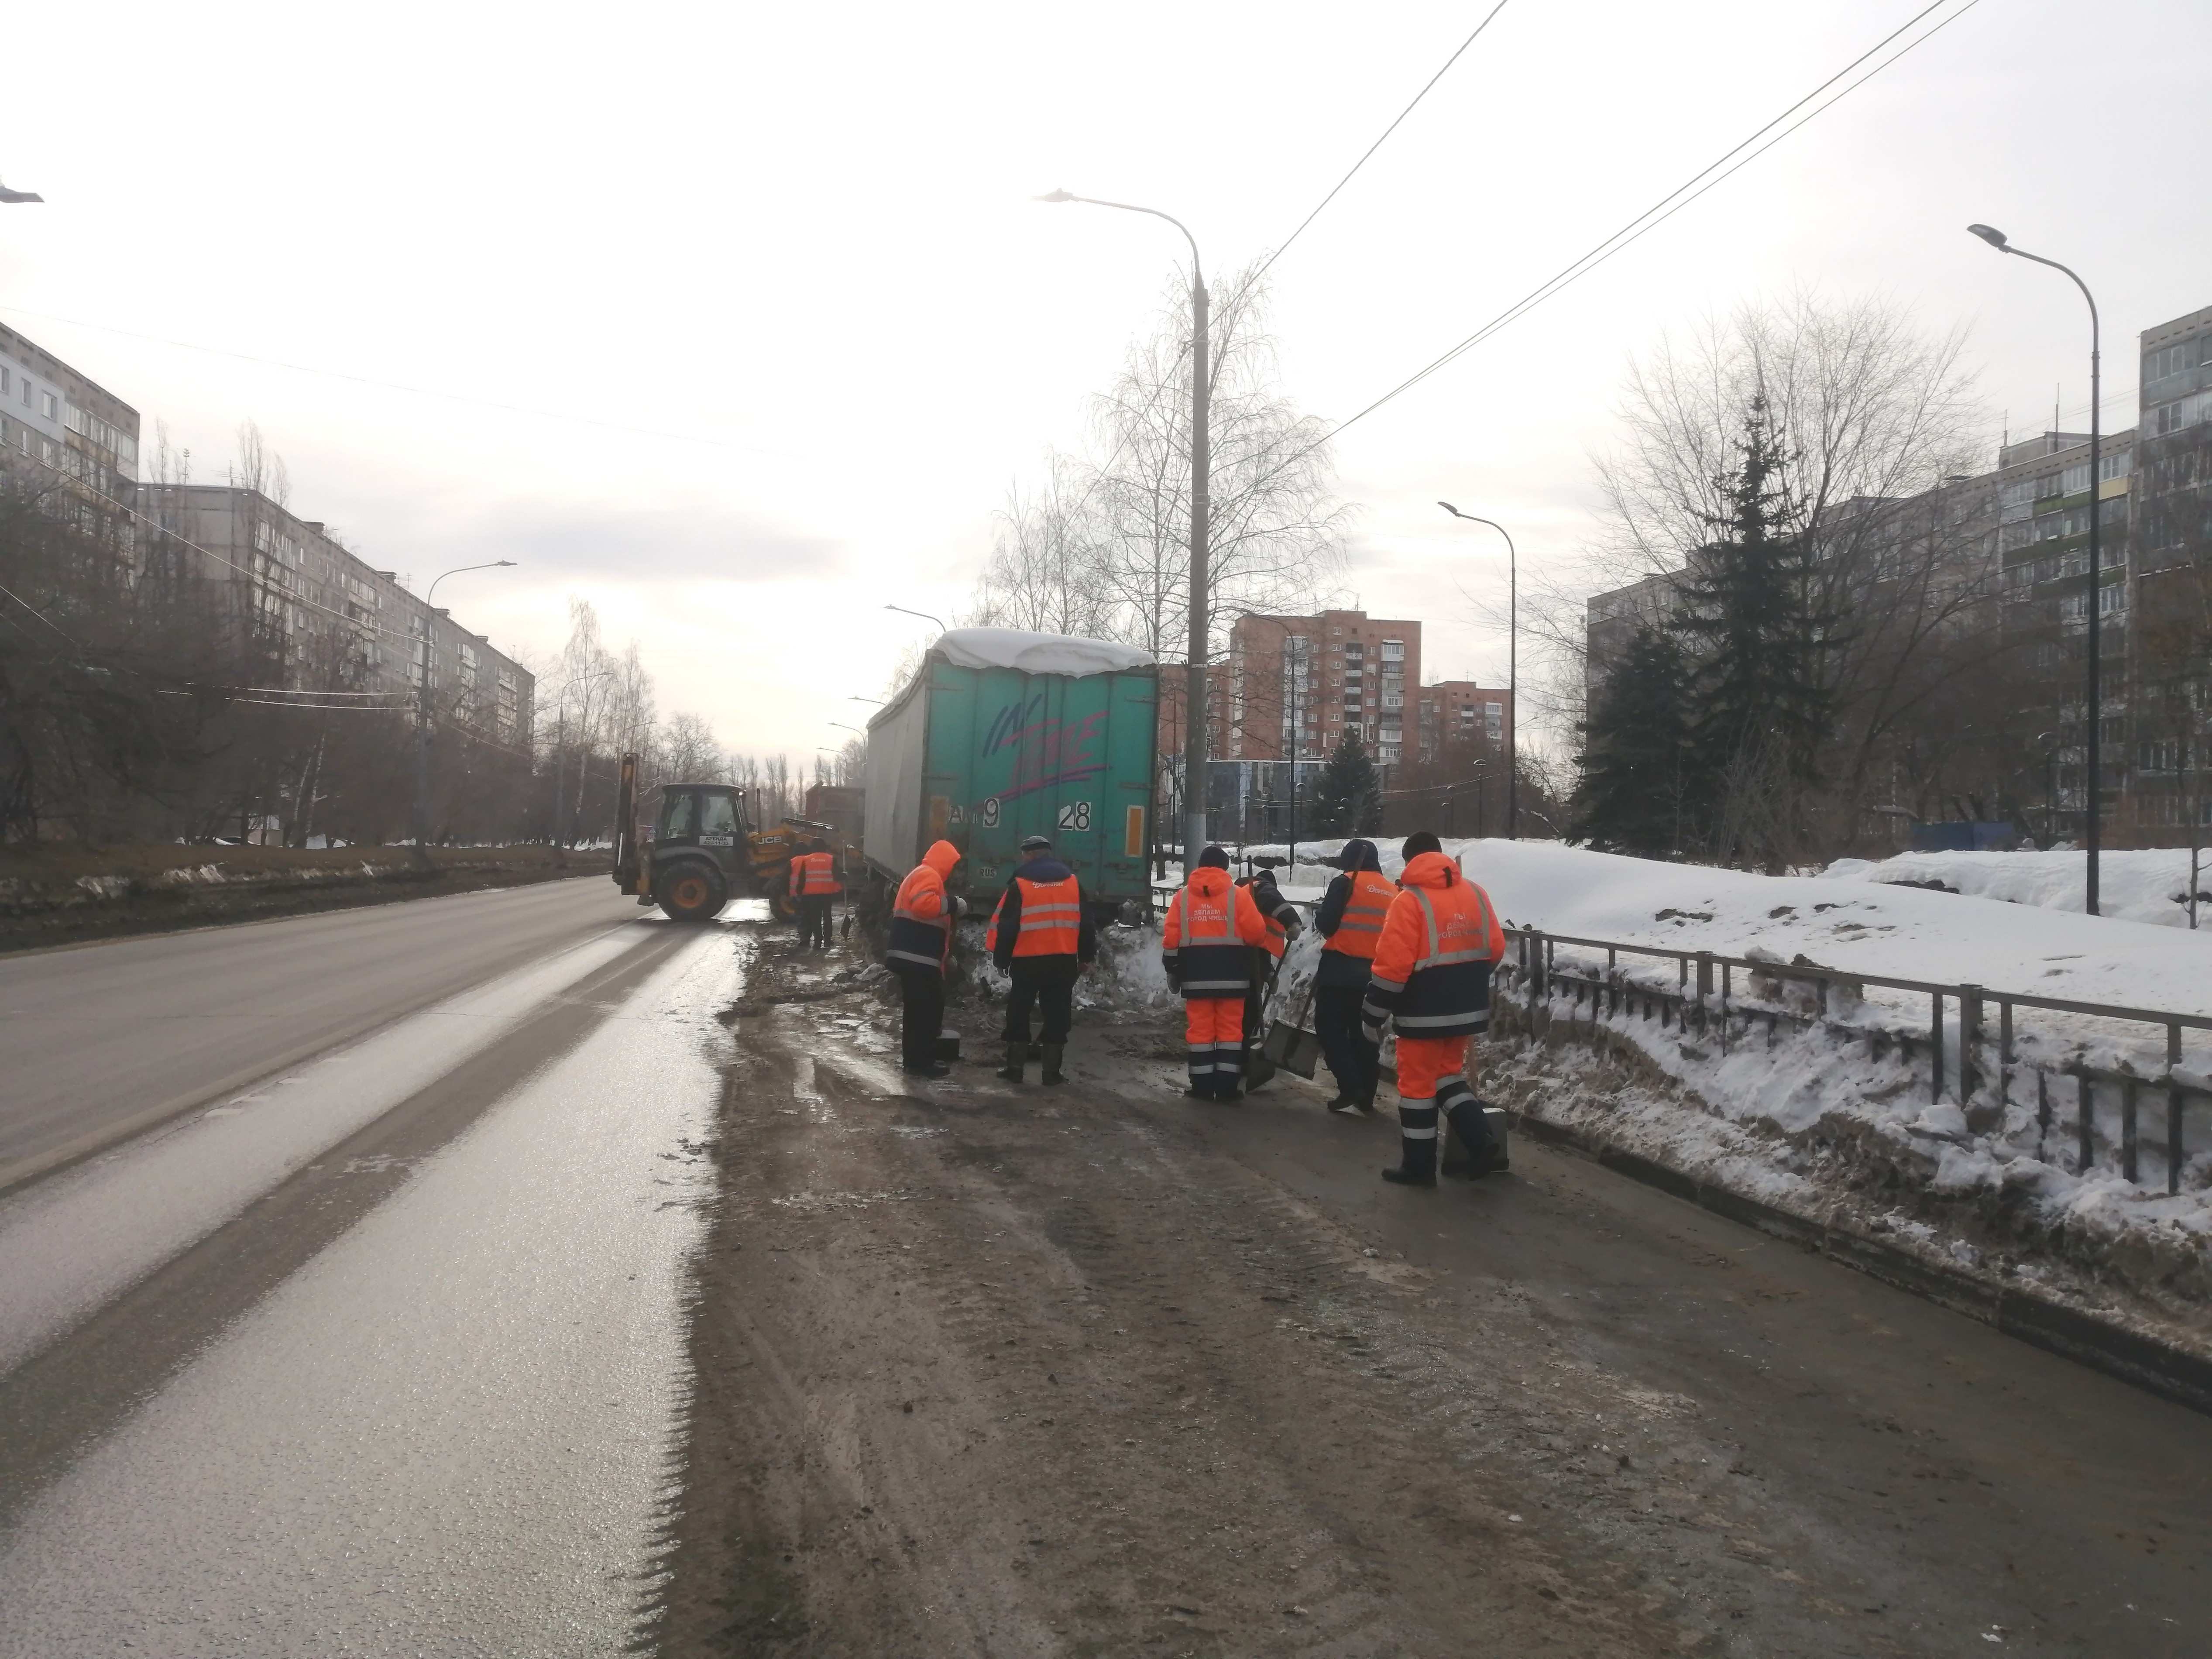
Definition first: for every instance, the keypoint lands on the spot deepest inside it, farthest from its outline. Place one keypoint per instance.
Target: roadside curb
(2157, 1367)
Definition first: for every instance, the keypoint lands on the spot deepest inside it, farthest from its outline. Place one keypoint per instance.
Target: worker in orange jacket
(817, 886)
(919, 951)
(1284, 925)
(1041, 937)
(1430, 979)
(1349, 923)
(1212, 925)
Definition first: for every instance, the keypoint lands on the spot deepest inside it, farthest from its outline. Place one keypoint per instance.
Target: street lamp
(2093, 794)
(1201, 365)
(854, 730)
(7, 195)
(1512, 670)
(422, 707)
(878, 701)
(924, 615)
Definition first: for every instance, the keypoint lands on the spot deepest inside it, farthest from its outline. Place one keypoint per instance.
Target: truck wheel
(692, 892)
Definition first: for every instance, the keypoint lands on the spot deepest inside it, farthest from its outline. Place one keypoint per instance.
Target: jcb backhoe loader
(691, 848)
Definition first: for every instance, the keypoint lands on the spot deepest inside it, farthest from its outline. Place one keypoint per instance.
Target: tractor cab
(685, 847)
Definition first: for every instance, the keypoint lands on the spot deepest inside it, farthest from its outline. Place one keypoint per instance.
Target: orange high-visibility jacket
(1211, 921)
(923, 913)
(1045, 911)
(817, 874)
(1361, 930)
(1278, 912)
(1430, 976)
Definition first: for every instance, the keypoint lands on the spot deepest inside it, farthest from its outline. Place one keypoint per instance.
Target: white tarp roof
(1036, 653)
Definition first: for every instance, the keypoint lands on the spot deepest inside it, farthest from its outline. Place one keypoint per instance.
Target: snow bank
(1036, 653)
(2150, 886)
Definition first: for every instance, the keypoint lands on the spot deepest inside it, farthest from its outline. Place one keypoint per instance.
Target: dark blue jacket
(1336, 967)
(1042, 867)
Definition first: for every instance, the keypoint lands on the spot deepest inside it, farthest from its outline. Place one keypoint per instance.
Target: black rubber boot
(1343, 1103)
(1467, 1142)
(1419, 1167)
(1053, 1051)
(1016, 1054)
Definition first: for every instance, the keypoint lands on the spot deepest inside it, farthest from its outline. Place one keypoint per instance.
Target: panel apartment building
(2020, 532)
(332, 620)
(69, 440)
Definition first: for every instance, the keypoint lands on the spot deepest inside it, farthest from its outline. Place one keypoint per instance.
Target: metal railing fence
(1704, 1001)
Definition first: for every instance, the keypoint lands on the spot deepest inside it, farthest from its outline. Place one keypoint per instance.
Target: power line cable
(1424, 91)
(1687, 192)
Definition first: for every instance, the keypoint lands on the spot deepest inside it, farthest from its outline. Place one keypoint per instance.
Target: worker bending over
(815, 873)
(1213, 925)
(1350, 923)
(1431, 979)
(1284, 925)
(1041, 937)
(919, 952)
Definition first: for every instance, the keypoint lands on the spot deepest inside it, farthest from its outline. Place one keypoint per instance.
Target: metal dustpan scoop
(1290, 1047)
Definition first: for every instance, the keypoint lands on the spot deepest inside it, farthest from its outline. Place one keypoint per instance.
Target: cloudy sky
(738, 320)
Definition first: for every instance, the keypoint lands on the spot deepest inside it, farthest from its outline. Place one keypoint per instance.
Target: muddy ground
(1100, 1370)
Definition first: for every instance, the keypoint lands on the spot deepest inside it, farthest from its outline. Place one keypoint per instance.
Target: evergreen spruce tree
(1759, 706)
(1348, 798)
(1636, 753)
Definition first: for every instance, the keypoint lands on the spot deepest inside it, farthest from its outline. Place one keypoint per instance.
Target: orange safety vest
(1052, 918)
(798, 874)
(923, 913)
(1361, 930)
(821, 875)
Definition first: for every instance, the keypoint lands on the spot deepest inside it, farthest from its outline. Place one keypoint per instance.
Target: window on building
(2117, 464)
(53, 407)
(4, 382)
(1394, 651)
(2110, 597)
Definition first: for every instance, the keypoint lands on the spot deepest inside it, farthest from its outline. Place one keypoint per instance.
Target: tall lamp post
(2093, 792)
(1201, 365)
(1512, 670)
(924, 615)
(422, 707)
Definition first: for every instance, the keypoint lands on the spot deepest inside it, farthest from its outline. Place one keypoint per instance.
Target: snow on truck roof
(1036, 653)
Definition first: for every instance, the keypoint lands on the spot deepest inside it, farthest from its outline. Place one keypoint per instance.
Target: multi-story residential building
(2023, 529)
(1291, 689)
(63, 435)
(327, 619)
(1459, 713)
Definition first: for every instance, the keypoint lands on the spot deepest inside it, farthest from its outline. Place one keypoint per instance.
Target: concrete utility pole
(422, 708)
(2094, 788)
(1202, 470)
(1512, 670)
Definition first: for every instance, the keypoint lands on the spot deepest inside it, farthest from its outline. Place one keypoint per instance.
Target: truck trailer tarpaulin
(1003, 733)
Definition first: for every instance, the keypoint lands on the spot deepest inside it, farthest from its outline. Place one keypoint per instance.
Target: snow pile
(1036, 653)
(2150, 885)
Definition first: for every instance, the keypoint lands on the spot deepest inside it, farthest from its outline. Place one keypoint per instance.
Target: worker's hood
(1359, 856)
(1210, 881)
(1431, 870)
(941, 857)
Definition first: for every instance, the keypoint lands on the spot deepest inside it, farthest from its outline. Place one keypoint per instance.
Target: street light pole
(1512, 670)
(1202, 363)
(422, 707)
(924, 615)
(2093, 794)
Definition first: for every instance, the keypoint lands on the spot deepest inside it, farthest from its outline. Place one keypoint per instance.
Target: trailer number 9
(987, 814)
(1076, 814)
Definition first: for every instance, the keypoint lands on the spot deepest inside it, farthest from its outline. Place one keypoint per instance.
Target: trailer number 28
(1076, 814)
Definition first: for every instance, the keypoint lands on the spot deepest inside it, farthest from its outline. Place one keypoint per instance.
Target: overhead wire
(1688, 191)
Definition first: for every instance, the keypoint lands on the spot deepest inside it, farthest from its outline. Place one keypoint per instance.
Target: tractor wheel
(782, 906)
(692, 892)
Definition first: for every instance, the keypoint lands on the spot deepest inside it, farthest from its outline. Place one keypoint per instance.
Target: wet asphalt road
(97, 1042)
(384, 1352)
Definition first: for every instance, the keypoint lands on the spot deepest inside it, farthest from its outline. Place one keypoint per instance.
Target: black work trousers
(1350, 1056)
(1046, 980)
(814, 915)
(921, 1014)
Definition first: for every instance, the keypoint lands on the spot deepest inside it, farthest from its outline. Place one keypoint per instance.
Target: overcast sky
(776, 323)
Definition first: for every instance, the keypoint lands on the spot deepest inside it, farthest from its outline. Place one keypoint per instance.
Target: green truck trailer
(1002, 734)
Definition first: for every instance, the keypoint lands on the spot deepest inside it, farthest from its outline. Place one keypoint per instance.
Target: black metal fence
(2112, 1105)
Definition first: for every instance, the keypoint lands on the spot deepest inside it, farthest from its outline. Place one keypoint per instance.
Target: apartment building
(2022, 531)
(1460, 714)
(327, 616)
(68, 439)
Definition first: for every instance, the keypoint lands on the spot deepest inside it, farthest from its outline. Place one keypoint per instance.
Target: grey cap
(1035, 844)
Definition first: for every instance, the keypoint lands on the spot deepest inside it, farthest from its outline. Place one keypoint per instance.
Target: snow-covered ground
(2149, 886)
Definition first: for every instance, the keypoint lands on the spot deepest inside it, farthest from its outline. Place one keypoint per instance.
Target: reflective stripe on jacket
(821, 874)
(1432, 971)
(1361, 928)
(923, 913)
(1041, 913)
(1210, 923)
